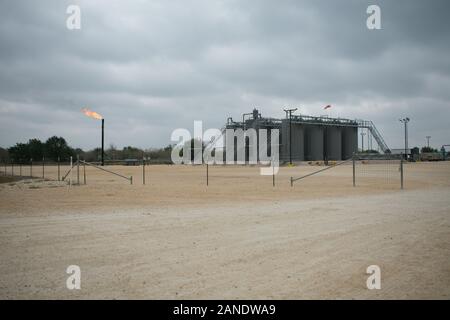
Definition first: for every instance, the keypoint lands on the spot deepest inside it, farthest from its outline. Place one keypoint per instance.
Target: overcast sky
(150, 67)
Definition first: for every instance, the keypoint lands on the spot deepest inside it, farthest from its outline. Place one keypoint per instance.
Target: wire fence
(366, 170)
(369, 170)
(72, 172)
(378, 171)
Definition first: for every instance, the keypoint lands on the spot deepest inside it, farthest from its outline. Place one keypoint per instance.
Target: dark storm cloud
(152, 66)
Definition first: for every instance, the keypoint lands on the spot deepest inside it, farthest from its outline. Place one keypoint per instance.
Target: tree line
(57, 149)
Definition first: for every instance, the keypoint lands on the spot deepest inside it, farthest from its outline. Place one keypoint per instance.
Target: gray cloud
(151, 67)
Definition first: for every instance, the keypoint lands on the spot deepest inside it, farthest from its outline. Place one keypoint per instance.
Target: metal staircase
(375, 133)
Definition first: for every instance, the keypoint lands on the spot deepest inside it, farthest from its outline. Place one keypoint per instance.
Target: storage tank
(298, 147)
(349, 142)
(298, 142)
(313, 137)
(334, 143)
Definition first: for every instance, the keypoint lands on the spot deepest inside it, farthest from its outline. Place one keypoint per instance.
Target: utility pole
(289, 111)
(405, 122)
(362, 140)
(428, 141)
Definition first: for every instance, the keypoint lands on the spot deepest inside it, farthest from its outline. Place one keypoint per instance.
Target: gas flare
(92, 114)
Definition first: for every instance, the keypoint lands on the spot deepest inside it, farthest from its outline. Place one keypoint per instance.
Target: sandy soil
(238, 238)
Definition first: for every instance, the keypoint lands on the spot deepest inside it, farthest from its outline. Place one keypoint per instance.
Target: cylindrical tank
(334, 143)
(349, 142)
(297, 135)
(298, 142)
(313, 142)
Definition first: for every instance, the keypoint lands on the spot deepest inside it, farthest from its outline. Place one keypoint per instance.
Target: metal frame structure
(325, 122)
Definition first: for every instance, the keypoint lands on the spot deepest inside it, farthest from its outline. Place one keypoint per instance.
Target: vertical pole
(273, 174)
(289, 111)
(84, 171)
(207, 174)
(43, 167)
(31, 168)
(354, 170)
(362, 141)
(406, 140)
(71, 164)
(103, 142)
(401, 172)
(292, 182)
(143, 170)
(325, 146)
(290, 137)
(131, 180)
(59, 171)
(78, 169)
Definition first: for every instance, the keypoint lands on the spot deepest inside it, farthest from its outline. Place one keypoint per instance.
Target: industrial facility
(309, 138)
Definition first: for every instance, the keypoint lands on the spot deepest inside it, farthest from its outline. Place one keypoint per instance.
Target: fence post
(143, 170)
(71, 164)
(273, 174)
(401, 172)
(78, 169)
(59, 172)
(31, 168)
(354, 170)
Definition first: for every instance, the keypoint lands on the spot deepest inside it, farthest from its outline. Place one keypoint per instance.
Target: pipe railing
(109, 171)
(319, 171)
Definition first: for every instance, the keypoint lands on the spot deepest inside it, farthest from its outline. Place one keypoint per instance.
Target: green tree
(131, 153)
(36, 149)
(57, 147)
(428, 149)
(19, 152)
(4, 154)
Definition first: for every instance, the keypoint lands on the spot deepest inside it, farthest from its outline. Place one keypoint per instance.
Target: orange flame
(92, 114)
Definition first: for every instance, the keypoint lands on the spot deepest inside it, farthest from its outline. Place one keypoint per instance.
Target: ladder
(375, 133)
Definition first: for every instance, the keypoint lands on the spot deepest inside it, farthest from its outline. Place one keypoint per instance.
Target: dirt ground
(239, 237)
